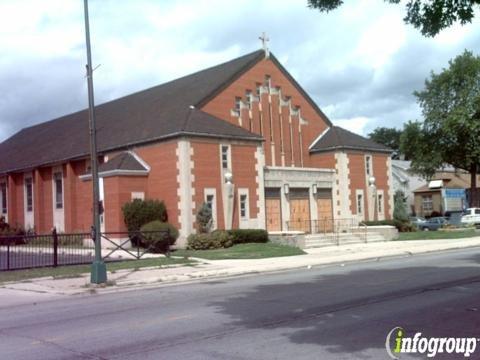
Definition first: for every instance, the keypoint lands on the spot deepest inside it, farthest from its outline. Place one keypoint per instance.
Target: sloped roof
(337, 138)
(123, 161)
(159, 112)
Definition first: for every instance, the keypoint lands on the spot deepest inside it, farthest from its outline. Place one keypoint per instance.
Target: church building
(242, 136)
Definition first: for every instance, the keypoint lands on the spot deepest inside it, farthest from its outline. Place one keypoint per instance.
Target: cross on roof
(264, 38)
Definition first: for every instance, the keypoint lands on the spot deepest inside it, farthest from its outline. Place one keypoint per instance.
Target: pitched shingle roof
(153, 114)
(337, 138)
(123, 161)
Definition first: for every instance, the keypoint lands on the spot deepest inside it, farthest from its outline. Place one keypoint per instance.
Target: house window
(58, 185)
(359, 203)
(258, 86)
(243, 206)
(380, 203)
(238, 101)
(368, 165)
(209, 201)
(3, 189)
(29, 194)
(427, 203)
(225, 156)
(249, 99)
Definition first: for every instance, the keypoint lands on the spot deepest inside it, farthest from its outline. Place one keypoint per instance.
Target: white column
(185, 190)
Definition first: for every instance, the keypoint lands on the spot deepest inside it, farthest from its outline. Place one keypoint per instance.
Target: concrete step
(321, 240)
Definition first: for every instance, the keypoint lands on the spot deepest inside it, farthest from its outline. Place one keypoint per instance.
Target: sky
(360, 63)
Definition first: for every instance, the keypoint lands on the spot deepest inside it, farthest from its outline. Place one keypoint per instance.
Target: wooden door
(300, 215)
(273, 214)
(325, 215)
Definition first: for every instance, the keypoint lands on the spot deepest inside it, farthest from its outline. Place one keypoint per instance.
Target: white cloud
(356, 124)
(359, 62)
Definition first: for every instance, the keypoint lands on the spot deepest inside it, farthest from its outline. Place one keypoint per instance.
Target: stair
(331, 239)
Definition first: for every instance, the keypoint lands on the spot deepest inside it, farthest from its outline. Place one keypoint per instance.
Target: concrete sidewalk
(208, 269)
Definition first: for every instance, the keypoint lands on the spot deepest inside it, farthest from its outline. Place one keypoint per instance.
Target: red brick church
(242, 136)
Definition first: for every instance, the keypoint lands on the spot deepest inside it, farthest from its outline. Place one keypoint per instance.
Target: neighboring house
(243, 136)
(411, 184)
(440, 196)
(407, 182)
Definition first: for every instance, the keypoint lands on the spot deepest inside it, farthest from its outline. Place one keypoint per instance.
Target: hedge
(158, 236)
(242, 236)
(217, 239)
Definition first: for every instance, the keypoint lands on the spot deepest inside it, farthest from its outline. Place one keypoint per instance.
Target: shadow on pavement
(353, 311)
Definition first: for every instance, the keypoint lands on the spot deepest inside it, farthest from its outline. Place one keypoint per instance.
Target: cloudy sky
(360, 63)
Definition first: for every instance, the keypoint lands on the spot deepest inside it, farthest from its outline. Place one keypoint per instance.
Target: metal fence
(52, 250)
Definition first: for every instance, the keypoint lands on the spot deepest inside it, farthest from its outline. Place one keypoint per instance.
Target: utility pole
(98, 270)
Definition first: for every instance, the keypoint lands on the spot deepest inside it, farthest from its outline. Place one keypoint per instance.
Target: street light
(98, 273)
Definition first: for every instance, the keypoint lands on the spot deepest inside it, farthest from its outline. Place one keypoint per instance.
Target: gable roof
(337, 138)
(123, 161)
(157, 113)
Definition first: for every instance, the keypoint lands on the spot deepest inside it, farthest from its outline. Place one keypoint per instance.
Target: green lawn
(79, 270)
(243, 251)
(432, 235)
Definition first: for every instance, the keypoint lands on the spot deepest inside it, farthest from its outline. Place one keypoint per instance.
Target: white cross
(264, 40)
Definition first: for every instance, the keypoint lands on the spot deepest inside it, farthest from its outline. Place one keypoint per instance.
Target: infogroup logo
(398, 343)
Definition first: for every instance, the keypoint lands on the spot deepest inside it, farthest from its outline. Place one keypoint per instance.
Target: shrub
(399, 210)
(401, 226)
(11, 235)
(140, 212)
(217, 239)
(242, 236)
(159, 236)
(204, 218)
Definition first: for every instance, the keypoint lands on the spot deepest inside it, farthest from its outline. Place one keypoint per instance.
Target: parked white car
(471, 216)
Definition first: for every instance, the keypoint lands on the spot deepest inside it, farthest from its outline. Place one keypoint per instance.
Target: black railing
(52, 250)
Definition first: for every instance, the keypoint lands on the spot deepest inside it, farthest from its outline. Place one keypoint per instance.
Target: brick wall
(222, 105)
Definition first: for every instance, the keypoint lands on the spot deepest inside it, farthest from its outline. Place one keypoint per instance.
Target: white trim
(140, 160)
(184, 188)
(29, 217)
(212, 191)
(110, 173)
(380, 214)
(360, 211)
(390, 187)
(301, 169)
(342, 201)
(4, 182)
(58, 214)
(243, 222)
(260, 190)
(140, 195)
(370, 172)
(318, 138)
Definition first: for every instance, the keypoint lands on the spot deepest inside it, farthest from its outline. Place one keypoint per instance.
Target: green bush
(400, 225)
(399, 209)
(158, 236)
(242, 236)
(217, 239)
(140, 212)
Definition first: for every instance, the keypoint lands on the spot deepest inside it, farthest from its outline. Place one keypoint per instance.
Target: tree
(450, 132)
(387, 136)
(399, 210)
(204, 218)
(430, 16)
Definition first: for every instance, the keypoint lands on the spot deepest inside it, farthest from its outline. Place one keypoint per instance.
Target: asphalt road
(337, 312)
